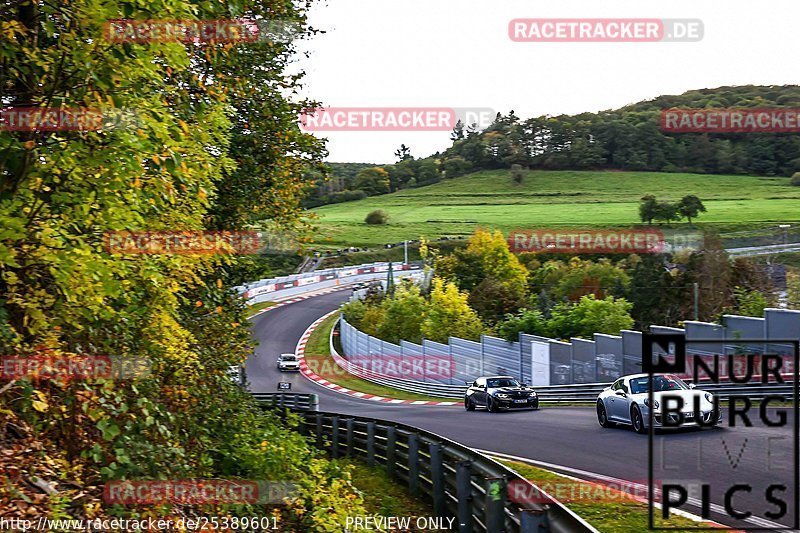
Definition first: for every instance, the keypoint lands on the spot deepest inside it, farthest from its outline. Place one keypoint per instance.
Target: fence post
(391, 445)
(495, 504)
(531, 521)
(335, 437)
(319, 430)
(295, 398)
(370, 443)
(437, 479)
(280, 401)
(483, 365)
(464, 493)
(350, 423)
(313, 402)
(413, 464)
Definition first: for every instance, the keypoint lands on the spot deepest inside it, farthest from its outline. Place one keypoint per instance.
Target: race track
(568, 437)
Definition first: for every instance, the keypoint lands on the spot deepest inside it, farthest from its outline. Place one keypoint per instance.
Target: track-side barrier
(297, 402)
(458, 481)
(585, 393)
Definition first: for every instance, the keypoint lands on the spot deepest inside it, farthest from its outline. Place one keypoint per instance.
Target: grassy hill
(554, 198)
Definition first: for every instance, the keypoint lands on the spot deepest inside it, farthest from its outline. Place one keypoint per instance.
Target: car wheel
(491, 406)
(602, 416)
(637, 421)
(468, 405)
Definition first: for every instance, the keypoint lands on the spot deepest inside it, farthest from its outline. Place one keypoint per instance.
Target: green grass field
(554, 198)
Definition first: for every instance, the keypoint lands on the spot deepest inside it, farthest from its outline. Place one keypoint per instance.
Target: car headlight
(502, 395)
(655, 403)
(533, 394)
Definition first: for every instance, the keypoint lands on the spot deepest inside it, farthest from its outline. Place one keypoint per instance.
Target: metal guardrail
(458, 481)
(296, 401)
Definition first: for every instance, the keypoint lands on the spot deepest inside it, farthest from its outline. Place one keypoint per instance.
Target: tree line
(483, 288)
(628, 138)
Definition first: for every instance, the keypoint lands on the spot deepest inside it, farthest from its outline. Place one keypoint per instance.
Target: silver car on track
(626, 401)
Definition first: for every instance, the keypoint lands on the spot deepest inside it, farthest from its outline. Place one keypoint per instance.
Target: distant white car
(288, 362)
(236, 373)
(626, 401)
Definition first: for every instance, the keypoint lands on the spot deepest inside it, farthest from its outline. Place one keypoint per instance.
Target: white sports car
(626, 402)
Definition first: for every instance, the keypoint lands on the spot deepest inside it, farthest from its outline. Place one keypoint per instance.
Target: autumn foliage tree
(210, 140)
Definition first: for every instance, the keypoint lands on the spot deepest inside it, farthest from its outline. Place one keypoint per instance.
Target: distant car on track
(499, 392)
(626, 402)
(288, 361)
(237, 374)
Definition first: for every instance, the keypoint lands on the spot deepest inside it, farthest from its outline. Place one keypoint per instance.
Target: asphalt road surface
(568, 437)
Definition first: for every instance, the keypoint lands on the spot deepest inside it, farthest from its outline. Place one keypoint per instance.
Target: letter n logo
(664, 360)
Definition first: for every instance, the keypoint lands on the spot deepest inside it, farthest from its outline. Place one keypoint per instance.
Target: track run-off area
(566, 439)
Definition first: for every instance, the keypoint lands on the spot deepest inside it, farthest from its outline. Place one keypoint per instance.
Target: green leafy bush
(379, 216)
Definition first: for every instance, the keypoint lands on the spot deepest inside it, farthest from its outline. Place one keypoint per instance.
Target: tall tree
(690, 207)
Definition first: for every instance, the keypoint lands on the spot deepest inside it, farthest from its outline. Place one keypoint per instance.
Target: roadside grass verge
(256, 308)
(318, 358)
(382, 495)
(617, 516)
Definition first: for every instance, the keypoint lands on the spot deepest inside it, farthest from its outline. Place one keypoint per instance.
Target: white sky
(457, 53)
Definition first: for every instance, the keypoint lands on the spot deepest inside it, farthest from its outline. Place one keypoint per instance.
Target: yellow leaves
(156, 159)
(184, 126)
(30, 145)
(11, 28)
(198, 303)
(219, 309)
(40, 404)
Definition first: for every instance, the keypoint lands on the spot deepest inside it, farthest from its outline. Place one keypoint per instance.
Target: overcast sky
(442, 53)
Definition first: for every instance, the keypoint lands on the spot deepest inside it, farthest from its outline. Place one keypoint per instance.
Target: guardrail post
(531, 521)
(437, 478)
(295, 398)
(464, 493)
(313, 402)
(413, 464)
(350, 423)
(495, 504)
(280, 401)
(319, 430)
(371, 443)
(391, 446)
(335, 437)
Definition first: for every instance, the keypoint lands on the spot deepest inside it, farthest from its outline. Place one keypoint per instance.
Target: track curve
(566, 436)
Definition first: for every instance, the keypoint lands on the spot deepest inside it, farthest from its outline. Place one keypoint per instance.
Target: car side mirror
(621, 393)
(692, 385)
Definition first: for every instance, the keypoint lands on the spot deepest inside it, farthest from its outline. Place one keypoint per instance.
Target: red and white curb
(310, 374)
(300, 298)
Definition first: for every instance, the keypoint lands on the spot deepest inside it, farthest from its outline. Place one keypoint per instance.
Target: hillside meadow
(554, 198)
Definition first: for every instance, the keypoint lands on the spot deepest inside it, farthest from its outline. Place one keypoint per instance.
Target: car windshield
(663, 383)
(502, 382)
(288, 358)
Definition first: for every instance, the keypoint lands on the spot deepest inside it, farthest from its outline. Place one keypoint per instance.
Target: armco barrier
(298, 402)
(272, 288)
(458, 481)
